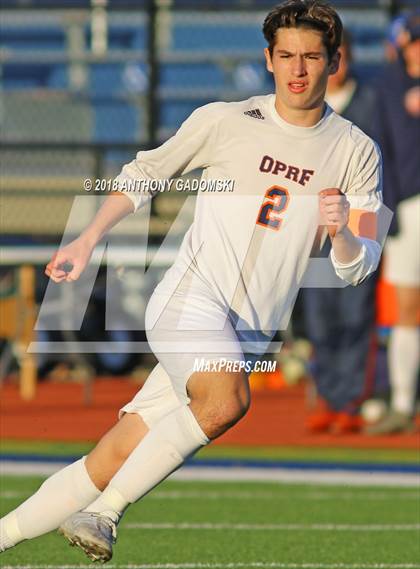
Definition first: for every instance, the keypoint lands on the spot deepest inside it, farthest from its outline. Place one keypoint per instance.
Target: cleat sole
(94, 552)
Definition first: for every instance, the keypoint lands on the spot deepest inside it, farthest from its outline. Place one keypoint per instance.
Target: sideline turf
(244, 503)
(345, 455)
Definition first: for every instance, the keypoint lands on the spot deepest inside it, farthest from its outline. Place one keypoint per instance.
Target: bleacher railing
(87, 84)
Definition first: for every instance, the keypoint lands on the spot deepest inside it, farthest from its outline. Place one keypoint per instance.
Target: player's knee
(218, 401)
(243, 399)
(235, 407)
(408, 313)
(408, 306)
(216, 417)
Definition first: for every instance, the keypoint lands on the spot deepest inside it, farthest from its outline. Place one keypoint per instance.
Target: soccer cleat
(320, 421)
(394, 422)
(345, 423)
(95, 534)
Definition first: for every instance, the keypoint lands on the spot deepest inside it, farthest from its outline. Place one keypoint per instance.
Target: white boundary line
(274, 527)
(301, 496)
(300, 476)
(213, 474)
(239, 565)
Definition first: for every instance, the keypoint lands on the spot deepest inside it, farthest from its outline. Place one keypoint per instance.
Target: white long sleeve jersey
(250, 246)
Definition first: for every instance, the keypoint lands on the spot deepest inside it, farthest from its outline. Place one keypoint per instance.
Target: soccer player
(295, 164)
(340, 322)
(398, 132)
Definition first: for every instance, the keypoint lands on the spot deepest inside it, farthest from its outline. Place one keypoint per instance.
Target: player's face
(301, 69)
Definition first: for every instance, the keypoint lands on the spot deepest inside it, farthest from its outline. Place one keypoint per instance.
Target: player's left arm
(351, 218)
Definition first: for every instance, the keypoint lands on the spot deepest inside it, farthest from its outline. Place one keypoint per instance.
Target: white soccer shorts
(182, 329)
(402, 252)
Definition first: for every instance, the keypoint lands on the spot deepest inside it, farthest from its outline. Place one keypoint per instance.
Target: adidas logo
(255, 114)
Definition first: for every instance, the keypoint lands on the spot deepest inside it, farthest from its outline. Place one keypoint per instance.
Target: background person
(178, 411)
(398, 133)
(340, 323)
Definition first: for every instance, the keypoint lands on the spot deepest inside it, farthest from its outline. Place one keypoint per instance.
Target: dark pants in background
(340, 323)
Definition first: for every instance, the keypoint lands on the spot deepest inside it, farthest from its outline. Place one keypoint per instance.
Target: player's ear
(334, 63)
(268, 62)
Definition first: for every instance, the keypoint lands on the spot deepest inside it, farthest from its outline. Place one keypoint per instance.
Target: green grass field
(199, 525)
(321, 454)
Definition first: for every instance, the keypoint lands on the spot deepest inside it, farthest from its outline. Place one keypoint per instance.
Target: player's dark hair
(309, 14)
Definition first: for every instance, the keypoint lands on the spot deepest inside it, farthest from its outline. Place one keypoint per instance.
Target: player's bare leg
(218, 401)
(92, 533)
(408, 299)
(65, 492)
(73, 488)
(114, 448)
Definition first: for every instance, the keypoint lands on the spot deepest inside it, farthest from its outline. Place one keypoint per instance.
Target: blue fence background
(86, 83)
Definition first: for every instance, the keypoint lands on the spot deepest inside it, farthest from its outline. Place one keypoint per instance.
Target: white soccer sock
(110, 503)
(404, 358)
(165, 447)
(61, 495)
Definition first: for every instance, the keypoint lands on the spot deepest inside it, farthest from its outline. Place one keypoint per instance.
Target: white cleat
(95, 534)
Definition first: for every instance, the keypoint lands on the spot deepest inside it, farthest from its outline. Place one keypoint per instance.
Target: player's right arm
(352, 218)
(189, 149)
(77, 253)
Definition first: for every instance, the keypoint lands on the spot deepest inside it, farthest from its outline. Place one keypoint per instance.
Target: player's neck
(300, 117)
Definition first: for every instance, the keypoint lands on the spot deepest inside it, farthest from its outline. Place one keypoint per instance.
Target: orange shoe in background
(320, 421)
(345, 423)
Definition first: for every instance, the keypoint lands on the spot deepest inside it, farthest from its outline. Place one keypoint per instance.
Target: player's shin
(164, 449)
(64, 493)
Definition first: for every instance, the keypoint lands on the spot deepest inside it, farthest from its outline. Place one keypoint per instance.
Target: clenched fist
(334, 210)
